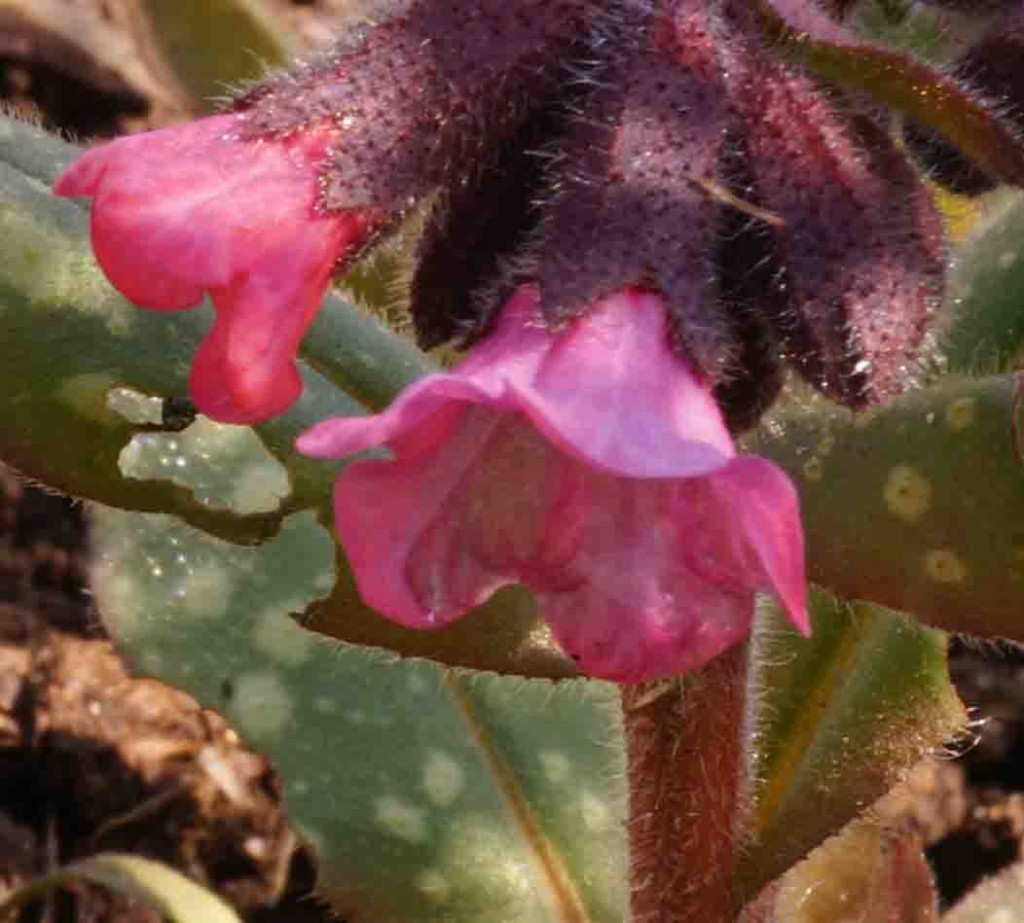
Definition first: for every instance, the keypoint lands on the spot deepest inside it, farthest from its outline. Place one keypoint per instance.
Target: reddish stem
(686, 792)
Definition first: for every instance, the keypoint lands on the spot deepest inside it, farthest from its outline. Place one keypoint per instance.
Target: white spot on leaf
(120, 600)
(907, 493)
(443, 778)
(277, 636)
(943, 566)
(205, 592)
(326, 705)
(416, 684)
(597, 816)
(433, 886)
(261, 704)
(400, 819)
(135, 407)
(813, 469)
(556, 765)
(960, 414)
(260, 488)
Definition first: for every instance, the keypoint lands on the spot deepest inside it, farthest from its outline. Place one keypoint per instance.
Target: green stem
(361, 355)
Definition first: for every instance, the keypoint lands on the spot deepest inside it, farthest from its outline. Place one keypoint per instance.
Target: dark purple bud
(858, 236)
(632, 205)
(423, 96)
(475, 229)
(754, 290)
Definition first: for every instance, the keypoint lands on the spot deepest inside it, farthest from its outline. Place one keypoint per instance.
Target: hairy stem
(686, 792)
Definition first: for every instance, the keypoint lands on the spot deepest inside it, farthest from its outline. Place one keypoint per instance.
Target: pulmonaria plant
(634, 218)
(671, 212)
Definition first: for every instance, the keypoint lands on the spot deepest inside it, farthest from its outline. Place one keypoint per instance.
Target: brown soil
(990, 679)
(94, 760)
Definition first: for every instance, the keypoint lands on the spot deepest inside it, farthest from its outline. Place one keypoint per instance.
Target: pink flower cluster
(638, 215)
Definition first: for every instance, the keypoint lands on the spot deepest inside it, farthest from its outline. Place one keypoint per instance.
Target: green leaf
(918, 504)
(359, 354)
(866, 872)
(897, 79)
(836, 720)
(428, 794)
(505, 635)
(211, 45)
(986, 290)
(171, 894)
(32, 151)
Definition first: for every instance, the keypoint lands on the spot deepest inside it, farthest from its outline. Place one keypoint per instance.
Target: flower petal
(766, 508)
(496, 479)
(430, 534)
(608, 389)
(671, 568)
(244, 369)
(193, 208)
(639, 579)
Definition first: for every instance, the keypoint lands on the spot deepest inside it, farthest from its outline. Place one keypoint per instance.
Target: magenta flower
(593, 466)
(192, 208)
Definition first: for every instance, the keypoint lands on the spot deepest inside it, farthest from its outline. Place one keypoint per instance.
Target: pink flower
(194, 208)
(592, 466)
